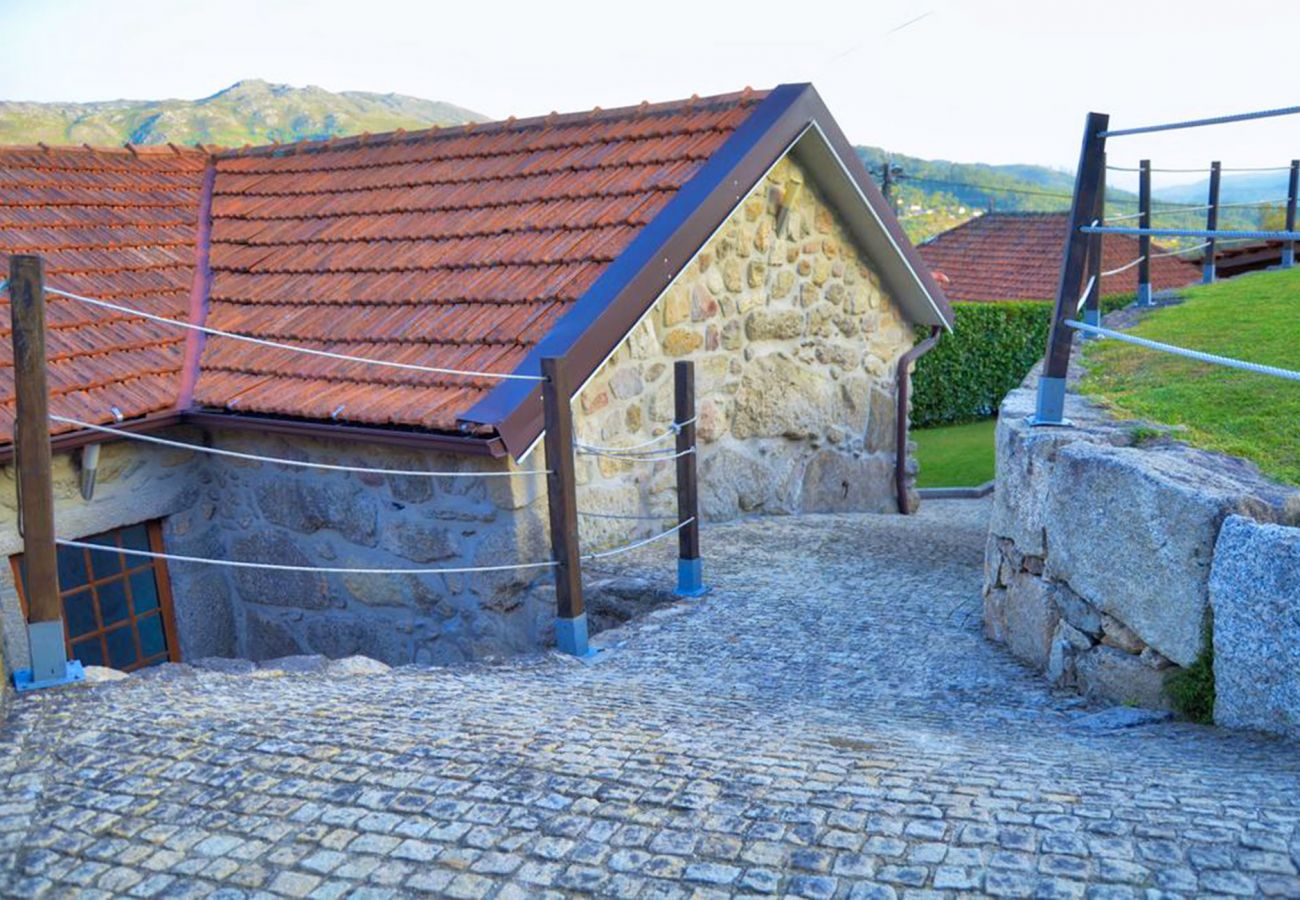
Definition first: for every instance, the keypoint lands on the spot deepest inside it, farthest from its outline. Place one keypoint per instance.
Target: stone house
(739, 231)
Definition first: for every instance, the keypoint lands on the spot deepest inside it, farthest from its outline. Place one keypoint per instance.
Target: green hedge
(991, 350)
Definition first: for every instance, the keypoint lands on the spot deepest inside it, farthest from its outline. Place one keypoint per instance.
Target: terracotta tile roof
(1017, 256)
(121, 225)
(455, 248)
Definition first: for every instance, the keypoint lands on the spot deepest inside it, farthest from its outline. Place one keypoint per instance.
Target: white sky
(992, 81)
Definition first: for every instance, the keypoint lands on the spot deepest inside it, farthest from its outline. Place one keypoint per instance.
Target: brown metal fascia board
(445, 443)
(71, 440)
(602, 317)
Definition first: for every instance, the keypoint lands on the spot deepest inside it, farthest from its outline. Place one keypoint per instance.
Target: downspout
(900, 442)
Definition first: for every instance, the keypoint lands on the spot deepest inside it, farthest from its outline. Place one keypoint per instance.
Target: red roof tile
(1017, 256)
(456, 248)
(117, 225)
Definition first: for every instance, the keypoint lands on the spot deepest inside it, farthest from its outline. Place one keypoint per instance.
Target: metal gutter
(900, 417)
(417, 440)
(71, 440)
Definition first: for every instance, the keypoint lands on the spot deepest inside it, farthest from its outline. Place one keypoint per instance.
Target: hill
(933, 195)
(251, 111)
(1248, 187)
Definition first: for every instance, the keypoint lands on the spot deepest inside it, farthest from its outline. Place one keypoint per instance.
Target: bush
(991, 350)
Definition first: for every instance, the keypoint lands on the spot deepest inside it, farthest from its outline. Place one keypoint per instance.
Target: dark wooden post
(1288, 247)
(1092, 303)
(690, 567)
(32, 459)
(1144, 241)
(1211, 223)
(1056, 363)
(562, 500)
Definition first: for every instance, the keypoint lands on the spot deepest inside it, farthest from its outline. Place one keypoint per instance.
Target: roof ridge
(127, 149)
(745, 97)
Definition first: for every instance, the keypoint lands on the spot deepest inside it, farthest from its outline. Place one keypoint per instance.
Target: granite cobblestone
(829, 723)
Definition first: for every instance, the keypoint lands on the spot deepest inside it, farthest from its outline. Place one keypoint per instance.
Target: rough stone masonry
(1108, 559)
(795, 343)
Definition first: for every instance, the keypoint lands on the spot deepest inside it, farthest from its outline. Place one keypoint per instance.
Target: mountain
(933, 195)
(247, 112)
(1252, 187)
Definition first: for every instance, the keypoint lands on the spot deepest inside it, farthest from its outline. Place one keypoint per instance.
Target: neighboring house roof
(1235, 259)
(1017, 256)
(479, 247)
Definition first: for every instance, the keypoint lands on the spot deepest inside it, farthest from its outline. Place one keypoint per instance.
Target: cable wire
(626, 517)
(297, 348)
(281, 567)
(604, 554)
(1197, 355)
(1123, 268)
(276, 460)
(674, 429)
(653, 456)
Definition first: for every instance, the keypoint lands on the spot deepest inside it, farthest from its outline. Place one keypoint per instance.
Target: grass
(1255, 318)
(955, 455)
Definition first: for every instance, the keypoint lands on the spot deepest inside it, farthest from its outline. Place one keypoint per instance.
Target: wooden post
(1056, 363)
(1211, 223)
(1288, 247)
(1144, 241)
(1092, 303)
(690, 567)
(562, 501)
(35, 485)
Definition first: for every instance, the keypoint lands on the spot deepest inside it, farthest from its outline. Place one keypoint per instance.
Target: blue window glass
(152, 641)
(72, 568)
(135, 538)
(144, 591)
(112, 602)
(79, 613)
(104, 563)
(90, 652)
(121, 647)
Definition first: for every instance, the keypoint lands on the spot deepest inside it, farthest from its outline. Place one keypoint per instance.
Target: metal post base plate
(23, 681)
(690, 578)
(1051, 403)
(571, 637)
(1144, 295)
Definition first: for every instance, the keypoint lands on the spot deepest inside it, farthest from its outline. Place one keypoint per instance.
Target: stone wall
(796, 345)
(1102, 548)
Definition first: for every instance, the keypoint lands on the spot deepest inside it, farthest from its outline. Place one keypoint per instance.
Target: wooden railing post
(690, 567)
(1144, 241)
(1050, 409)
(1211, 223)
(32, 460)
(1092, 303)
(562, 501)
(1293, 183)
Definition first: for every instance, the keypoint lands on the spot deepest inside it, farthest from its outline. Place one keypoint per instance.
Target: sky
(1000, 81)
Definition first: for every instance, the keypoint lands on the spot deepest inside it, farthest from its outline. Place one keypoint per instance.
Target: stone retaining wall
(1108, 557)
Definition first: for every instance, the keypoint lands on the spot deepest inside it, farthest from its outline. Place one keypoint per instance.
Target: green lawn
(955, 455)
(1255, 318)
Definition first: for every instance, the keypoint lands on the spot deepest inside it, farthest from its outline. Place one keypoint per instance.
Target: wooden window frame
(162, 579)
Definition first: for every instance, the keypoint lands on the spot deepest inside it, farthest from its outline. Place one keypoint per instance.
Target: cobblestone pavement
(828, 723)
